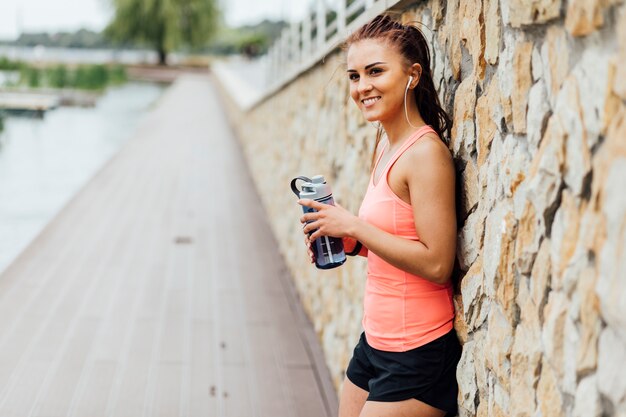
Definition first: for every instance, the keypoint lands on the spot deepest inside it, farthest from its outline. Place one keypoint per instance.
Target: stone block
(470, 188)
(549, 397)
(584, 16)
(611, 351)
(540, 277)
(545, 173)
(466, 377)
(537, 115)
(587, 401)
(564, 238)
(472, 34)
(529, 237)
(525, 368)
(555, 57)
(499, 343)
(523, 12)
(619, 85)
(493, 27)
(612, 101)
(578, 154)
(474, 303)
(522, 81)
(552, 336)
(470, 238)
(463, 138)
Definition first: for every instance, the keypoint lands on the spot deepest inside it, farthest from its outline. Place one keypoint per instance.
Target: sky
(17, 16)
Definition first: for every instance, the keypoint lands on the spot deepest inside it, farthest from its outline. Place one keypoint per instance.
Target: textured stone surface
(538, 113)
(525, 12)
(540, 277)
(471, 238)
(549, 397)
(450, 36)
(555, 57)
(611, 286)
(470, 187)
(611, 351)
(584, 16)
(553, 330)
(545, 174)
(564, 239)
(522, 79)
(525, 360)
(463, 131)
(487, 107)
(472, 33)
(620, 78)
(587, 399)
(493, 27)
(578, 156)
(528, 239)
(475, 308)
(466, 377)
(499, 344)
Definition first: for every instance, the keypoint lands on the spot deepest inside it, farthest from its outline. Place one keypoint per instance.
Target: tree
(164, 24)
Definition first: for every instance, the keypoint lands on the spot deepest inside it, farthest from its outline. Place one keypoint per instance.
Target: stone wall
(537, 90)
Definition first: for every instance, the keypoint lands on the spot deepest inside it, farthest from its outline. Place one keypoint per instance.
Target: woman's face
(378, 78)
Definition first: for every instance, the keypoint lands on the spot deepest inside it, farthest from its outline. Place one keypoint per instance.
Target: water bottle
(328, 250)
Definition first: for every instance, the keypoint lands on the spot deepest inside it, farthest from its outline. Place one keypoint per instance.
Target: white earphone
(406, 112)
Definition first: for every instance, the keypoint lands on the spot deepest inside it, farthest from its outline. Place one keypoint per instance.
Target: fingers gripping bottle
(328, 250)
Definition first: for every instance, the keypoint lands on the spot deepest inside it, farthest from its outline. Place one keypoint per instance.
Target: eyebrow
(368, 66)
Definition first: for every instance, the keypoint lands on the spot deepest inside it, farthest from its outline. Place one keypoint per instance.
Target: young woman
(404, 363)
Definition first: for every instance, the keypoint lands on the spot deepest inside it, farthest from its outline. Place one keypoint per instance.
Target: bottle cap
(318, 179)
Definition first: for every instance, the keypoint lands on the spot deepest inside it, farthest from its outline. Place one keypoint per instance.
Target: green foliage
(57, 76)
(91, 77)
(250, 40)
(164, 24)
(85, 77)
(82, 38)
(31, 76)
(8, 65)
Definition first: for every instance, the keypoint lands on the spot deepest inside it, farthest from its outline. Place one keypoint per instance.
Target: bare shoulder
(429, 153)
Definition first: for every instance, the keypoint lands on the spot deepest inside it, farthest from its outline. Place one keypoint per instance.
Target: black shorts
(426, 373)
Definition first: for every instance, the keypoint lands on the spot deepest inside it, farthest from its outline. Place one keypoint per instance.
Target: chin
(370, 116)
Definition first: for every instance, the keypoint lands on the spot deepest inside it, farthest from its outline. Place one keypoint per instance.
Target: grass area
(83, 77)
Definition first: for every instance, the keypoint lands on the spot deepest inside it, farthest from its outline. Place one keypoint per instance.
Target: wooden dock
(159, 291)
(27, 102)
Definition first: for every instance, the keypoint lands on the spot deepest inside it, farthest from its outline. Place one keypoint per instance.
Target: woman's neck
(398, 129)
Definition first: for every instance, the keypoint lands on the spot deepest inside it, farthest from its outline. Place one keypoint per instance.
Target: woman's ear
(415, 72)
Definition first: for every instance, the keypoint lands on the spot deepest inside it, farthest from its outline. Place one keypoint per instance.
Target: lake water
(44, 162)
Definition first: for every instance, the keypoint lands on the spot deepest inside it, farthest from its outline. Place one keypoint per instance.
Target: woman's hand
(329, 220)
(309, 251)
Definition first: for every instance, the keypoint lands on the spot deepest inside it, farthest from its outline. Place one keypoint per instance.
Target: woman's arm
(428, 169)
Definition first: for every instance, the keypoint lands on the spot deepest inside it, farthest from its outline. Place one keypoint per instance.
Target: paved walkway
(159, 291)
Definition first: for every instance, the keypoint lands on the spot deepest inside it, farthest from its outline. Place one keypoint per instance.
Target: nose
(364, 86)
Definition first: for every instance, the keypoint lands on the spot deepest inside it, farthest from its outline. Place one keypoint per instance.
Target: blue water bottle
(328, 250)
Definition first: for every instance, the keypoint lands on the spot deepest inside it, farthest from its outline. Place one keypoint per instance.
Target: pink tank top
(402, 311)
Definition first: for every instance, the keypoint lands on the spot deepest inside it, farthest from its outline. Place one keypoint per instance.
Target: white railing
(321, 30)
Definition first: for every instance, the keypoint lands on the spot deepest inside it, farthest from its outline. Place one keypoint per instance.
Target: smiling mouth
(370, 101)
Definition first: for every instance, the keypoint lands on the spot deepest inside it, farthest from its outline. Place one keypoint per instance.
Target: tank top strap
(406, 145)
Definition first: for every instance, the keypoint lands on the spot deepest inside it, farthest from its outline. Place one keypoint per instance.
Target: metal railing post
(306, 36)
(341, 17)
(295, 43)
(321, 24)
